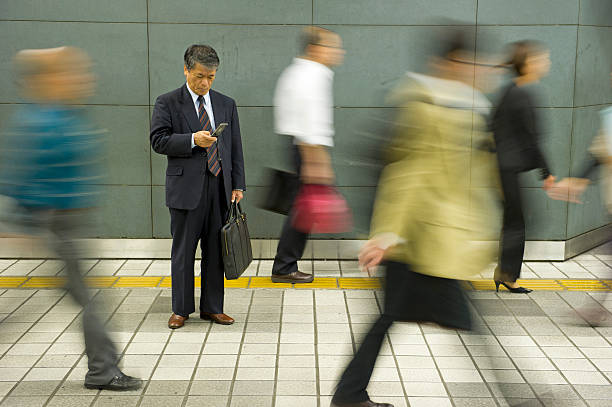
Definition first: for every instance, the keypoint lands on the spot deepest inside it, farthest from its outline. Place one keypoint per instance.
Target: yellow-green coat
(438, 196)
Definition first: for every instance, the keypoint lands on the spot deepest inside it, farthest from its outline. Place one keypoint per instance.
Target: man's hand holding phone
(203, 139)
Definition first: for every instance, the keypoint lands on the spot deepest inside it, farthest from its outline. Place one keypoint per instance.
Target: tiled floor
(288, 347)
(588, 266)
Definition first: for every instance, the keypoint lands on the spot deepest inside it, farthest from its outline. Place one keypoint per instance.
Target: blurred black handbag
(236, 243)
(283, 188)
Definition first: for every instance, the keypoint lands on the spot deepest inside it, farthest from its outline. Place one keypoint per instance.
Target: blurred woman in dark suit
(516, 127)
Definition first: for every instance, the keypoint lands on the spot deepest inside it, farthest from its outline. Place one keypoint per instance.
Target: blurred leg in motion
(355, 379)
(512, 244)
(101, 353)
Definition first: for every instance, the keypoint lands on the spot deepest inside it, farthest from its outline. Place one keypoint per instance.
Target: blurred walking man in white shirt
(303, 106)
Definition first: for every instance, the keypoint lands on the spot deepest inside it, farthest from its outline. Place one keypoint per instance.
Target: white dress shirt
(303, 104)
(207, 107)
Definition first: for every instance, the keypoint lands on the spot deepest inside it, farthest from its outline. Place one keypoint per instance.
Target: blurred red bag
(321, 209)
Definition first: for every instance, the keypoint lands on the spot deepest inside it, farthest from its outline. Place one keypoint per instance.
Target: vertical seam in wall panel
(149, 118)
(312, 6)
(571, 141)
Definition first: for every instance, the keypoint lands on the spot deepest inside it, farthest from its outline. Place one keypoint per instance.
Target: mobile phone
(219, 130)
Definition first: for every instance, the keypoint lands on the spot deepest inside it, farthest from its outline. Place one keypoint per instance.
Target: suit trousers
(202, 224)
(356, 377)
(292, 242)
(412, 297)
(512, 242)
(64, 227)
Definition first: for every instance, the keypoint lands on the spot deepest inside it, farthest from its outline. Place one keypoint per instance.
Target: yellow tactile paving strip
(539, 284)
(584, 285)
(359, 283)
(12, 282)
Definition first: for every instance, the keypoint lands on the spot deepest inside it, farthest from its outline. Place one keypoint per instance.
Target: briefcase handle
(235, 212)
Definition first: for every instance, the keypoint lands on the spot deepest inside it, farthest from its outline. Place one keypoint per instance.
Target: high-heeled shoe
(517, 290)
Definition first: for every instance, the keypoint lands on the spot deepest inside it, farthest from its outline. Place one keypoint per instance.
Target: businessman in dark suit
(204, 174)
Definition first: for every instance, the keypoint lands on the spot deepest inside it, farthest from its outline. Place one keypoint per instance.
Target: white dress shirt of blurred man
(303, 110)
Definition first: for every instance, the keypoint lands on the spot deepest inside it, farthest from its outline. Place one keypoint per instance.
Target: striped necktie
(212, 152)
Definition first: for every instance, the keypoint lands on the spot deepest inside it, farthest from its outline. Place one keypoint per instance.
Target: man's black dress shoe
(121, 382)
(296, 277)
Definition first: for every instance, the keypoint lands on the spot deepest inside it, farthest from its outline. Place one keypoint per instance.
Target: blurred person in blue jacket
(51, 168)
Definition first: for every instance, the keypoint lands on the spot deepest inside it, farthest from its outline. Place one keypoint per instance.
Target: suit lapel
(217, 107)
(189, 111)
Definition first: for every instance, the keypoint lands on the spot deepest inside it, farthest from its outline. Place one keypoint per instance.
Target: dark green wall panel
(232, 11)
(561, 40)
(119, 53)
(125, 211)
(138, 45)
(393, 12)
(251, 57)
(593, 66)
(596, 12)
(528, 12)
(75, 10)
(545, 219)
(127, 143)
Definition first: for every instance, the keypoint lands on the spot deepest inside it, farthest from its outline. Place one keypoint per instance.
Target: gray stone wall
(137, 46)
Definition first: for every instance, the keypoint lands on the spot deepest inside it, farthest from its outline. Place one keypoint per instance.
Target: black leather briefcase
(236, 243)
(283, 188)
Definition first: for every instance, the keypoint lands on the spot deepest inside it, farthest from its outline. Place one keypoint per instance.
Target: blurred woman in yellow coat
(435, 205)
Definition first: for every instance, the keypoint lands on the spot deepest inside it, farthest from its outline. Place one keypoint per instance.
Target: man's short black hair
(201, 54)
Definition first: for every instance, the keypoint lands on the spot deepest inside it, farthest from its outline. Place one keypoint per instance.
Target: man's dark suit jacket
(172, 125)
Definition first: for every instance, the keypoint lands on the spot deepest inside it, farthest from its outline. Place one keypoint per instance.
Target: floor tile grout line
(345, 292)
(244, 331)
(316, 346)
(195, 369)
(278, 343)
(142, 273)
(119, 268)
(607, 298)
(9, 266)
(16, 263)
(388, 336)
(550, 359)
(40, 357)
(473, 359)
(433, 358)
(147, 382)
(580, 348)
(78, 360)
(40, 265)
(129, 342)
(571, 385)
(86, 272)
(494, 335)
(519, 371)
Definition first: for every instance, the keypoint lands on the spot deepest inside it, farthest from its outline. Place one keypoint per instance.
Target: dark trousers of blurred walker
(62, 229)
(512, 242)
(411, 297)
(292, 242)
